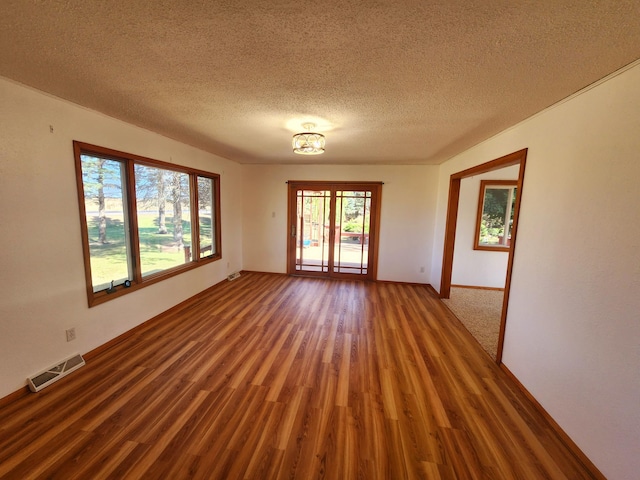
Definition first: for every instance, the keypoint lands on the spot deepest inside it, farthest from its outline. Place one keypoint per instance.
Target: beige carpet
(479, 311)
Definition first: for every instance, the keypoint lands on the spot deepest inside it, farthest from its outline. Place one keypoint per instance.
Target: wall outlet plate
(71, 334)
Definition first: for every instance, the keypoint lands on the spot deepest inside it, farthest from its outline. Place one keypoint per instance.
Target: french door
(333, 229)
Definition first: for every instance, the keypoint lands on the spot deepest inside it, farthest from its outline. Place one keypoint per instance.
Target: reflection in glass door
(353, 222)
(311, 239)
(333, 228)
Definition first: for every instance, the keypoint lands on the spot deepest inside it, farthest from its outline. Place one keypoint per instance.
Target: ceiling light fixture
(308, 143)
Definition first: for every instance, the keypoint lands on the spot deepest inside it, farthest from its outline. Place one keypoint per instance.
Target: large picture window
(142, 220)
(496, 207)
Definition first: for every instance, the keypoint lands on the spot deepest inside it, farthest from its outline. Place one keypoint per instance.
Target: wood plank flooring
(270, 377)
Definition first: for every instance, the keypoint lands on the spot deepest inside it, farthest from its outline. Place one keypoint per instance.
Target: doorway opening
(333, 229)
(516, 158)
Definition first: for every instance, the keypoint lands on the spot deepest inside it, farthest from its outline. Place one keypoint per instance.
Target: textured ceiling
(387, 81)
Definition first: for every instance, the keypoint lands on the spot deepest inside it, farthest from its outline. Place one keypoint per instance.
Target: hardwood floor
(272, 376)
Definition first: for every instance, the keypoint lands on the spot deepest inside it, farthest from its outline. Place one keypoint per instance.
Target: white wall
(573, 325)
(479, 268)
(42, 274)
(406, 223)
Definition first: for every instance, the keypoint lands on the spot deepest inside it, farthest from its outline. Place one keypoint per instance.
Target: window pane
(206, 217)
(493, 216)
(353, 216)
(512, 209)
(107, 224)
(312, 230)
(163, 215)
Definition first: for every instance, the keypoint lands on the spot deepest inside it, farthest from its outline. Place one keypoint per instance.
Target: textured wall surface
(480, 268)
(572, 332)
(406, 217)
(397, 82)
(42, 271)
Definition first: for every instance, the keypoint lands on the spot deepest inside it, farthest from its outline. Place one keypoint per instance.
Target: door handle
(293, 230)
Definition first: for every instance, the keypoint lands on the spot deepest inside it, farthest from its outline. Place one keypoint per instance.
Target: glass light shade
(308, 143)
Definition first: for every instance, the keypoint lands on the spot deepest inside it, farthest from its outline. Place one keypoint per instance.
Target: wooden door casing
(332, 187)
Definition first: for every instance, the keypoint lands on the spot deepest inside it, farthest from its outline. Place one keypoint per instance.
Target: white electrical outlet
(71, 334)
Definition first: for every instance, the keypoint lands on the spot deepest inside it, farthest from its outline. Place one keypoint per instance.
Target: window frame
(130, 208)
(484, 185)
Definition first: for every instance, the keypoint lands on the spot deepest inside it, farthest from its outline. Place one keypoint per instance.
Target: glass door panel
(351, 246)
(311, 231)
(333, 229)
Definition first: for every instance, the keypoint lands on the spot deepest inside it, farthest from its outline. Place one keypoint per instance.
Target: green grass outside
(157, 251)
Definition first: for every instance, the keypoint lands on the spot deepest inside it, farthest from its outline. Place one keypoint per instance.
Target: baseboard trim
(427, 285)
(478, 288)
(24, 391)
(433, 291)
(148, 323)
(12, 397)
(566, 439)
(242, 272)
(391, 282)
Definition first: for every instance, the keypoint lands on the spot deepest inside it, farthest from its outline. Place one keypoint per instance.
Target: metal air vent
(55, 373)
